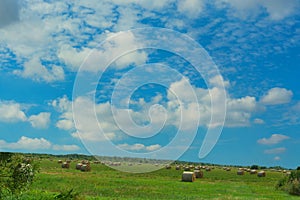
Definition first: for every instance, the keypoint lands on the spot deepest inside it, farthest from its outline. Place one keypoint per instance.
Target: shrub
(290, 183)
(16, 174)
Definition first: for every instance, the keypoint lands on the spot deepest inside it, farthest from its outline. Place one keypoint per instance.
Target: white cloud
(274, 139)
(87, 123)
(277, 96)
(72, 57)
(276, 158)
(191, 8)
(277, 9)
(218, 81)
(40, 121)
(280, 9)
(139, 147)
(26, 143)
(64, 106)
(35, 70)
(153, 147)
(65, 147)
(149, 5)
(11, 112)
(275, 150)
(95, 59)
(258, 121)
(239, 111)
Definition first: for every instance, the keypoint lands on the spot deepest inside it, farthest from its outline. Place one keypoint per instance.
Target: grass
(106, 183)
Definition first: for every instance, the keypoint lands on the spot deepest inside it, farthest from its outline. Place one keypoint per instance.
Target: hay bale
(253, 171)
(240, 172)
(198, 174)
(78, 166)
(197, 168)
(228, 169)
(188, 177)
(208, 169)
(65, 165)
(186, 168)
(59, 161)
(168, 167)
(85, 162)
(261, 174)
(68, 161)
(178, 167)
(85, 168)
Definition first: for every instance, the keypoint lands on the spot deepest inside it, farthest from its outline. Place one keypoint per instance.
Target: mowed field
(103, 182)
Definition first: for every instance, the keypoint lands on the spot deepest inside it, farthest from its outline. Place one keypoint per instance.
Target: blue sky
(99, 76)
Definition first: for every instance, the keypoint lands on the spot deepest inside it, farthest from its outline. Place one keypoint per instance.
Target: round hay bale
(178, 167)
(208, 169)
(168, 167)
(78, 166)
(65, 165)
(197, 168)
(228, 169)
(59, 161)
(68, 161)
(198, 174)
(261, 174)
(253, 171)
(240, 172)
(188, 177)
(186, 168)
(85, 162)
(85, 168)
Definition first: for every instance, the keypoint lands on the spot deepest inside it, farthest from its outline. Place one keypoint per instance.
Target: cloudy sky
(116, 77)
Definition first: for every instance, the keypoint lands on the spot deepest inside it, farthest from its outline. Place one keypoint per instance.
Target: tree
(254, 167)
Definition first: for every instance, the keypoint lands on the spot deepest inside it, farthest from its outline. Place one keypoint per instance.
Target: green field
(102, 182)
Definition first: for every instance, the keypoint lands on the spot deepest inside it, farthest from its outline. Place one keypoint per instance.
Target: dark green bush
(290, 183)
(16, 172)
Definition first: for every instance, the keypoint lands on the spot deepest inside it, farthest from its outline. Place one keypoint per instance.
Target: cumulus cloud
(11, 112)
(64, 106)
(277, 96)
(9, 12)
(274, 139)
(26, 143)
(139, 147)
(275, 150)
(93, 124)
(35, 70)
(40, 121)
